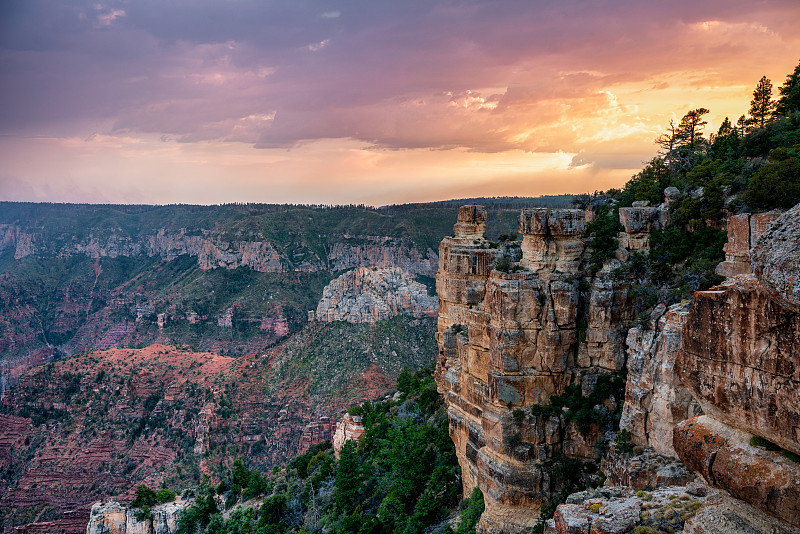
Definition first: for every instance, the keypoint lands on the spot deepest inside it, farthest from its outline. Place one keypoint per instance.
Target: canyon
(218, 358)
(679, 414)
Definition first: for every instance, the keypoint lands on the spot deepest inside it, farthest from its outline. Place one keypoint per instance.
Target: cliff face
(114, 518)
(655, 399)
(213, 250)
(366, 295)
(510, 340)
(739, 360)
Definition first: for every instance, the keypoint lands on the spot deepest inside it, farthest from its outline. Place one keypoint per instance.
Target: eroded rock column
(508, 340)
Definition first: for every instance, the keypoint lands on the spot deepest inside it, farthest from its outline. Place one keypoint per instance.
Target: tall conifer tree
(762, 105)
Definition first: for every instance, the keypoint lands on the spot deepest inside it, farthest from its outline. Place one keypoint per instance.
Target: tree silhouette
(762, 105)
(790, 94)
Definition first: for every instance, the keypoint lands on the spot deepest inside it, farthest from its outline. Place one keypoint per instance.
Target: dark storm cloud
(411, 74)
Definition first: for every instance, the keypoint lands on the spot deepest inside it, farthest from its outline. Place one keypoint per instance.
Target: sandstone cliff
(655, 399)
(366, 295)
(509, 341)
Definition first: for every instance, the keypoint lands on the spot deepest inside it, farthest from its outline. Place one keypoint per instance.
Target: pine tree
(790, 94)
(348, 482)
(742, 124)
(726, 128)
(762, 105)
(690, 129)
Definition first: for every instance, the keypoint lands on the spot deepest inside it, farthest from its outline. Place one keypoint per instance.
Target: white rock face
(349, 428)
(366, 295)
(115, 518)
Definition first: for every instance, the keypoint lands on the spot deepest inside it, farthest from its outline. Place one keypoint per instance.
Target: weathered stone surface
(737, 249)
(655, 399)
(552, 239)
(723, 515)
(776, 258)
(609, 309)
(739, 360)
(723, 455)
(617, 510)
(114, 518)
(637, 221)
(350, 427)
(646, 469)
(366, 295)
(509, 340)
(471, 222)
(671, 194)
(743, 231)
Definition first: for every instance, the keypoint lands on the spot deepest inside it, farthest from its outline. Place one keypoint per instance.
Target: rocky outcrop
(509, 339)
(645, 468)
(114, 518)
(349, 428)
(621, 510)
(316, 432)
(723, 455)
(382, 252)
(637, 222)
(743, 231)
(739, 361)
(655, 399)
(366, 295)
(776, 258)
(213, 250)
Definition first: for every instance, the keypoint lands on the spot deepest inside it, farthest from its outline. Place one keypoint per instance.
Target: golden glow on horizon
(384, 109)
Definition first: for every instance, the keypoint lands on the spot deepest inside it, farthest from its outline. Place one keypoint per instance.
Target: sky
(375, 102)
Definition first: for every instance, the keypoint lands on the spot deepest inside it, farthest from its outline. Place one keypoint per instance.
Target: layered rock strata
(349, 428)
(509, 340)
(366, 295)
(212, 250)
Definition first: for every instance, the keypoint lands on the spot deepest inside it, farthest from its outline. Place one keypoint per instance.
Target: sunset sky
(377, 102)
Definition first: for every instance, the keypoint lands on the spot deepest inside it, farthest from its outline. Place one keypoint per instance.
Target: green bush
(776, 184)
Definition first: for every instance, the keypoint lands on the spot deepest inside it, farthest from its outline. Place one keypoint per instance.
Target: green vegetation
(752, 166)
(622, 442)
(604, 228)
(758, 441)
(573, 406)
(402, 477)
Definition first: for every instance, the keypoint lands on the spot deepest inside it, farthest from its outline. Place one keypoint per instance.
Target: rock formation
(637, 221)
(739, 361)
(213, 250)
(743, 231)
(114, 518)
(366, 295)
(509, 340)
(349, 428)
(655, 399)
